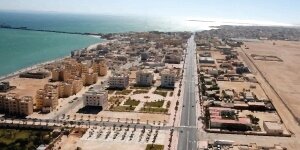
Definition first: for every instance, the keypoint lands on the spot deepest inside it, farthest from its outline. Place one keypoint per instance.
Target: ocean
(21, 49)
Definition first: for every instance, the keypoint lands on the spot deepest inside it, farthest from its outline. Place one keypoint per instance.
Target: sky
(281, 11)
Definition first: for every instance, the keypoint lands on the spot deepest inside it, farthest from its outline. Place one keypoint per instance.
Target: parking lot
(126, 134)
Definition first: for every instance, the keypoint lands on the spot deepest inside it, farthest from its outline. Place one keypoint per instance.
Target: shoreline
(30, 68)
(42, 64)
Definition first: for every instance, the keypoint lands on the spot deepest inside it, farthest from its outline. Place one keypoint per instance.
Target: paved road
(188, 133)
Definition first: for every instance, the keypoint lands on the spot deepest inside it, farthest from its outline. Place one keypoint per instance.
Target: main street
(188, 133)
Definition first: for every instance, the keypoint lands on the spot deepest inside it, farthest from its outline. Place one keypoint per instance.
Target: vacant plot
(283, 76)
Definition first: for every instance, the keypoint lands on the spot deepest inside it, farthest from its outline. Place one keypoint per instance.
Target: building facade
(100, 68)
(47, 98)
(168, 79)
(119, 81)
(95, 98)
(144, 78)
(13, 105)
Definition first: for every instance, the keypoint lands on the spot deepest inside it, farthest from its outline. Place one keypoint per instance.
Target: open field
(26, 86)
(283, 76)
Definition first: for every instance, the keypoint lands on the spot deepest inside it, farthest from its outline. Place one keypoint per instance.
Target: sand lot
(26, 86)
(283, 76)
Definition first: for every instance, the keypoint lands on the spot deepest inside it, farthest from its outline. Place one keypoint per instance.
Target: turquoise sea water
(20, 49)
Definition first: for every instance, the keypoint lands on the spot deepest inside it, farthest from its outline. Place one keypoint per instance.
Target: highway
(187, 135)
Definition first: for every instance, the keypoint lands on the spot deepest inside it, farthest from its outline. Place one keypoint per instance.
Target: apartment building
(89, 78)
(65, 89)
(77, 85)
(47, 98)
(26, 105)
(13, 105)
(61, 74)
(144, 78)
(100, 68)
(95, 98)
(119, 80)
(168, 78)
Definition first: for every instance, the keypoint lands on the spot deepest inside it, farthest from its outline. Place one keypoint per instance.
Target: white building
(144, 78)
(95, 98)
(168, 78)
(120, 81)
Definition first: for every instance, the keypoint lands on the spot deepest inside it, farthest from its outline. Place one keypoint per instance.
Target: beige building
(95, 98)
(47, 98)
(73, 66)
(84, 68)
(119, 80)
(39, 98)
(89, 78)
(26, 105)
(55, 74)
(65, 89)
(77, 85)
(168, 78)
(144, 78)
(61, 74)
(13, 105)
(100, 68)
